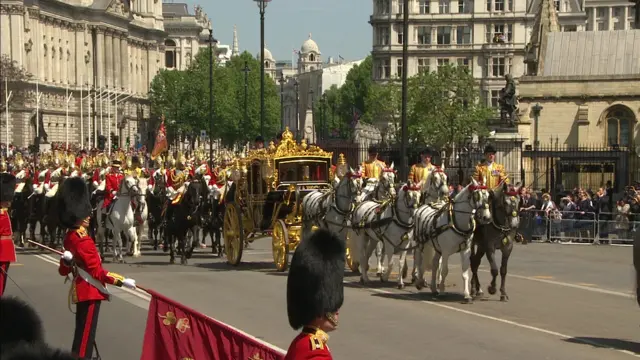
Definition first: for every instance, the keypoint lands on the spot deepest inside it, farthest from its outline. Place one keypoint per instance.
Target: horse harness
(435, 231)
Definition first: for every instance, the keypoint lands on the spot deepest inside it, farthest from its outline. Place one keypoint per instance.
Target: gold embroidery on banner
(183, 325)
(255, 356)
(169, 318)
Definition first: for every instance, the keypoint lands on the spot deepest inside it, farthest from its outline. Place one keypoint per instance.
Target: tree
(384, 103)
(166, 96)
(13, 75)
(444, 107)
(354, 92)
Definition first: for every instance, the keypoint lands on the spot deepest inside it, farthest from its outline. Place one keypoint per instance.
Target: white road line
(503, 321)
(124, 294)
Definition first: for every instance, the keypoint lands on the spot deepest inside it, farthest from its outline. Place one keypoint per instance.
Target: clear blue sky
(339, 27)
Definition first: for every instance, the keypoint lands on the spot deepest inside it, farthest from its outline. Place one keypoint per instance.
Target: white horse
(434, 187)
(141, 216)
(388, 222)
(442, 232)
(330, 209)
(122, 217)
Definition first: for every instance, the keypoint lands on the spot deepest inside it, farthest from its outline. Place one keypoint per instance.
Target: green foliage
(183, 98)
(11, 77)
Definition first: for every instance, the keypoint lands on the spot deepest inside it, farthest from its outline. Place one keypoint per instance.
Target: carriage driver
(112, 185)
(315, 294)
(421, 171)
(488, 172)
(373, 167)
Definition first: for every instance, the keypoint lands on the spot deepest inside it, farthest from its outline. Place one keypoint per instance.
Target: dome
(267, 55)
(309, 46)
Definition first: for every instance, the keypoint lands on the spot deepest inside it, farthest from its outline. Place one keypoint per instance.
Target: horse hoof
(419, 286)
(491, 290)
(400, 286)
(172, 261)
(467, 301)
(155, 247)
(504, 298)
(362, 281)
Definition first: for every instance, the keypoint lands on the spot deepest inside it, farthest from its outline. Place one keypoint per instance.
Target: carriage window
(294, 171)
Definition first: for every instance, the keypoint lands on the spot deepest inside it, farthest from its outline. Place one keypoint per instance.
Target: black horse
(155, 201)
(35, 204)
(51, 220)
(499, 235)
(179, 220)
(212, 219)
(20, 212)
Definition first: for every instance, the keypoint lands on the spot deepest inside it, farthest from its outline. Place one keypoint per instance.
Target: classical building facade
(488, 36)
(186, 34)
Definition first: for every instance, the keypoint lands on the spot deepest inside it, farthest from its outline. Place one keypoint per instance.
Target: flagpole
(7, 97)
(81, 116)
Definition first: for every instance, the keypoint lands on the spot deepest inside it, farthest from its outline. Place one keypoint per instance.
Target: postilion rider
(7, 248)
(373, 167)
(112, 185)
(315, 294)
(489, 172)
(421, 171)
(82, 261)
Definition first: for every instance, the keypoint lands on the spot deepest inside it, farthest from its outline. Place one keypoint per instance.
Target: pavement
(566, 302)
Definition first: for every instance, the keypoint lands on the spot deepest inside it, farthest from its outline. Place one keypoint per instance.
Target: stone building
(93, 60)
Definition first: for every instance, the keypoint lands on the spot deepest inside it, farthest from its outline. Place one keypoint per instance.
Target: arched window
(619, 121)
(312, 57)
(266, 64)
(170, 54)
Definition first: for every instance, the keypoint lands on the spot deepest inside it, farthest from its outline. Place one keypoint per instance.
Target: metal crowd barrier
(579, 227)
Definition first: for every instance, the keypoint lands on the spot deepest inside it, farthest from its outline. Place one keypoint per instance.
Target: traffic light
(102, 142)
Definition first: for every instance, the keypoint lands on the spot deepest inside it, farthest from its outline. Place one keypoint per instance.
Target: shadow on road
(607, 343)
(443, 298)
(248, 266)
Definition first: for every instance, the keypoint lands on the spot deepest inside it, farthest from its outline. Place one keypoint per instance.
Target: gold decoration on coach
(288, 147)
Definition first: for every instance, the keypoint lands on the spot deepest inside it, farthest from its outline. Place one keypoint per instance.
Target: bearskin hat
(490, 149)
(25, 351)
(314, 285)
(73, 202)
(7, 186)
(19, 323)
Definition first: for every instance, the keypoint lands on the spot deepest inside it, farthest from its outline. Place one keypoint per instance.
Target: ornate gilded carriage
(266, 193)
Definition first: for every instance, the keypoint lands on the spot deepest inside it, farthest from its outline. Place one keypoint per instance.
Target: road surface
(566, 302)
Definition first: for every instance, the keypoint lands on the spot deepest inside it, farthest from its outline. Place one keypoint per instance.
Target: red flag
(161, 141)
(176, 332)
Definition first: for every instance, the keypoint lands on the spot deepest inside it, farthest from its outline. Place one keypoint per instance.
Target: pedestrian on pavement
(7, 248)
(315, 294)
(82, 261)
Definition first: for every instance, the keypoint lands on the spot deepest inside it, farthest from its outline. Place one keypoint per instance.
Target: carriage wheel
(353, 264)
(280, 243)
(233, 234)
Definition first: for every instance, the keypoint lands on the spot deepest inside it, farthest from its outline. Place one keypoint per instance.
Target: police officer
(488, 172)
(315, 294)
(82, 260)
(7, 248)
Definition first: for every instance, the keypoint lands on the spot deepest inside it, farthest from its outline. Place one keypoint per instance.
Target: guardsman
(419, 172)
(7, 248)
(373, 167)
(112, 185)
(488, 172)
(177, 180)
(315, 294)
(159, 173)
(135, 169)
(42, 180)
(82, 261)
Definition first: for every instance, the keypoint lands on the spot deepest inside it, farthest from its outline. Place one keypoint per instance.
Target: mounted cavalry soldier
(100, 173)
(56, 175)
(135, 169)
(4, 166)
(82, 261)
(7, 248)
(315, 294)
(373, 167)
(159, 173)
(488, 172)
(177, 180)
(42, 182)
(21, 171)
(112, 185)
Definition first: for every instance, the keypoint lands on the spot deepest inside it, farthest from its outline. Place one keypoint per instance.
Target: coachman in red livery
(82, 260)
(315, 294)
(7, 249)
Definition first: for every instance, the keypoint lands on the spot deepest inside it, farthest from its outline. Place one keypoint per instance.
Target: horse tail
(427, 257)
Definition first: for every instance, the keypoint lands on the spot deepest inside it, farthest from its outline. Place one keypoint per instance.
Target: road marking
(542, 277)
(587, 284)
(503, 321)
(147, 298)
(16, 264)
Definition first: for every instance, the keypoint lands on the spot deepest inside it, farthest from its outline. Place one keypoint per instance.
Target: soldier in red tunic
(7, 249)
(315, 294)
(112, 185)
(82, 260)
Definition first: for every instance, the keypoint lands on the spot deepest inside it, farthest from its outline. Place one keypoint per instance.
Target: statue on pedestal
(508, 102)
(39, 129)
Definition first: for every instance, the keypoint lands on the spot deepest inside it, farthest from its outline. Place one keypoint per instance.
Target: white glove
(129, 284)
(150, 187)
(114, 193)
(67, 256)
(35, 186)
(46, 186)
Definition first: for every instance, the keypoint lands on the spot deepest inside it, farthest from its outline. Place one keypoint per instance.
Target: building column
(65, 45)
(150, 66)
(124, 64)
(5, 37)
(594, 25)
(610, 18)
(16, 36)
(81, 73)
(38, 44)
(625, 25)
(100, 76)
(51, 52)
(108, 42)
(117, 80)
(180, 58)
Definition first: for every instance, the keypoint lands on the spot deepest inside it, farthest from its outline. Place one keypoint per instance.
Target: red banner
(176, 332)
(161, 141)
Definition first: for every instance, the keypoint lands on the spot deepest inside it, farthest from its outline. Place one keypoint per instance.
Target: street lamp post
(297, 85)
(536, 144)
(323, 121)
(282, 80)
(405, 68)
(262, 5)
(246, 71)
(211, 120)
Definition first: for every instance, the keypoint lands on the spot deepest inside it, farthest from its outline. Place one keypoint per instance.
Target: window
(499, 33)
(383, 36)
(556, 4)
(617, 12)
(399, 67)
(466, 63)
(498, 67)
(383, 70)
(443, 5)
(312, 57)
(444, 35)
(619, 126)
(601, 12)
(400, 36)
(424, 6)
(498, 5)
(464, 6)
(463, 35)
(424, 64)
(570, 28)
(618, 25)
(383, 7)
(424, 35)
(170, 54)
(442, 62)
(495, 96)
(489, 5)
(400, 7)
(601, 26)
